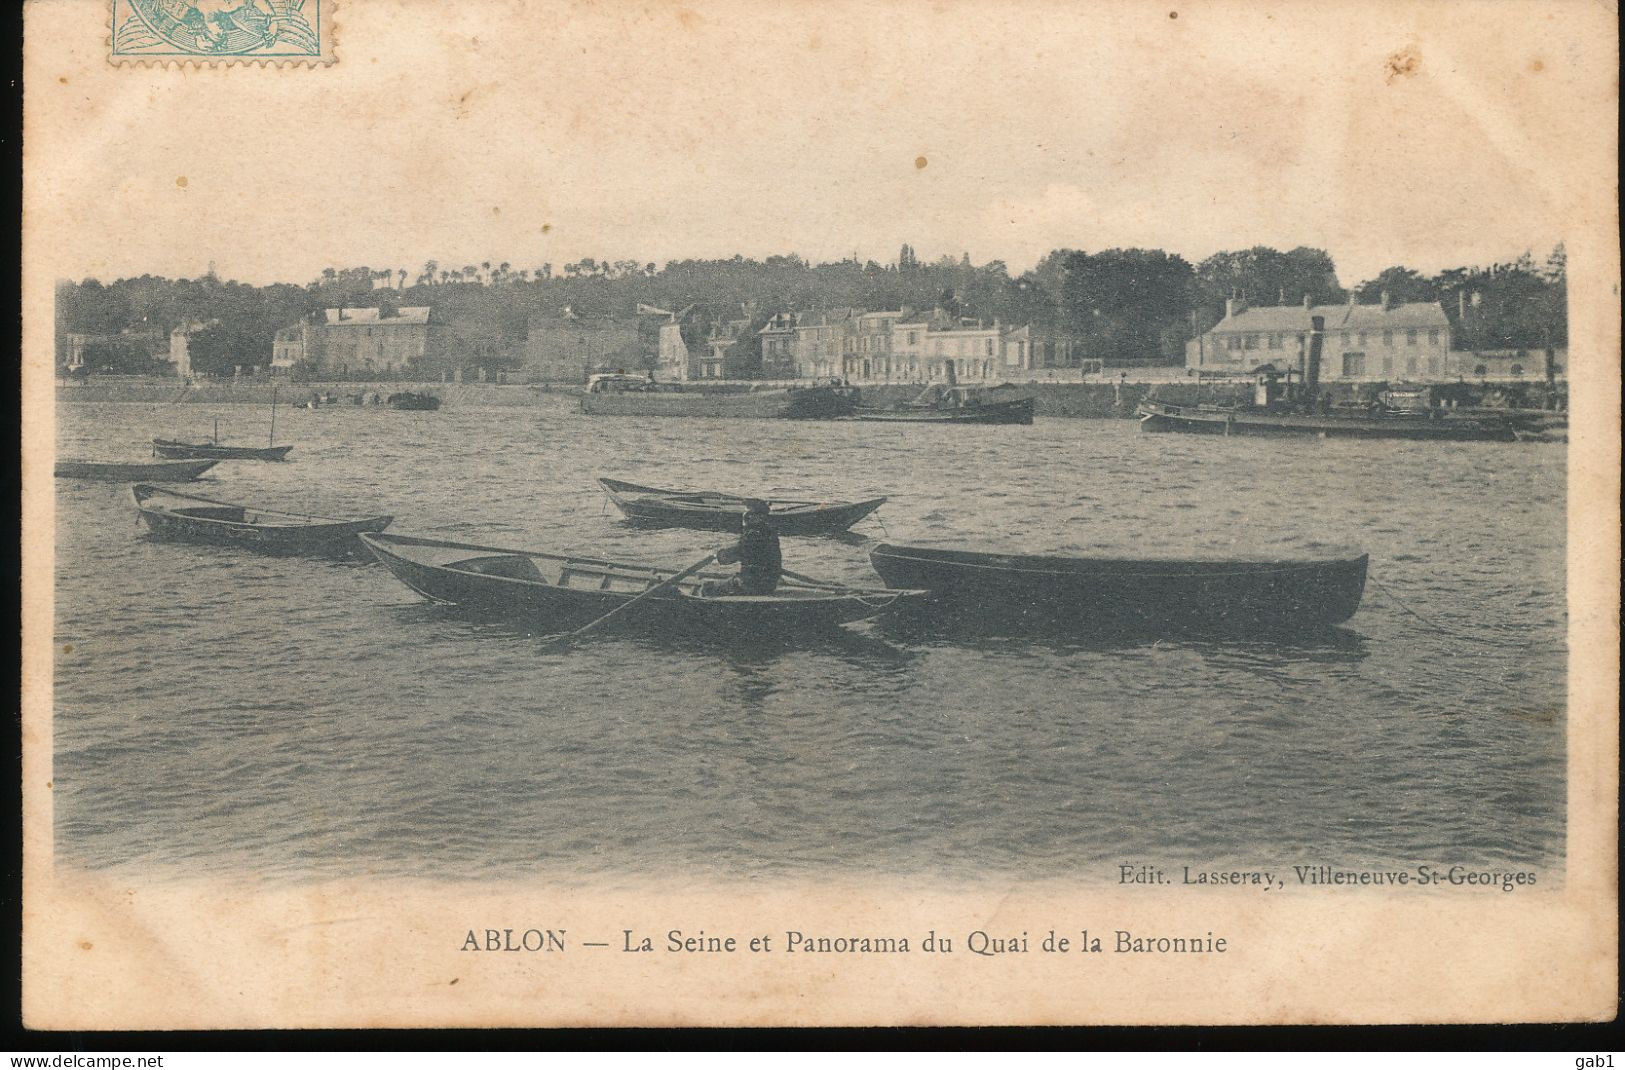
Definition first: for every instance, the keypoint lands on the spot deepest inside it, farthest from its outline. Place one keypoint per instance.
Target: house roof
(826, 317)
(1337, 317)
(729, 330)
(347, 317)
(968, 329)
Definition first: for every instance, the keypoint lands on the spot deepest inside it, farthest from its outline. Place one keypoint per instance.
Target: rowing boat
(711, 510)
(194, 518)
(170, 448)
(560, 592)
(1021, 591)
(135, 471)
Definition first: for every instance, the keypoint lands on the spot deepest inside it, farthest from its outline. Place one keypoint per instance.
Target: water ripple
(313, 718)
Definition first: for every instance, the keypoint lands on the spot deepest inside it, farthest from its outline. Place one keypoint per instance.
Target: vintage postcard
(548, 512)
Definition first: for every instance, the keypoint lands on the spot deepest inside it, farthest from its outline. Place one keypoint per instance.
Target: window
(1275, 340)
(1362, 338)
(1517, 370)
(1433, 336)
(1387, 362)
(1353, 365)
(1410, 337)
(1346, 338)
(1388, 338)
(1410, 364)
(1433, 364)
(1233, 342)
(913, 338)
(1251, 342)
(990, 347)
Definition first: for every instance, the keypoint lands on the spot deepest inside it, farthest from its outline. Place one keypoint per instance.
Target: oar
(810, 582)
(624, 606)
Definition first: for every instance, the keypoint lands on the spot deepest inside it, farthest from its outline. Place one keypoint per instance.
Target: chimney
(1234, 306)
(1307, 303)
(1387, 301)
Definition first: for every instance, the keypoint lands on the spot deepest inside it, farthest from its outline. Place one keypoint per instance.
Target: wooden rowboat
(711, 510)
(1020, 591)
(166, 447)
(560, 593)
(194, 518)
(133, 471)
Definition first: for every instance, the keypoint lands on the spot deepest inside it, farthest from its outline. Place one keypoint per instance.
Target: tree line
(1119, 305)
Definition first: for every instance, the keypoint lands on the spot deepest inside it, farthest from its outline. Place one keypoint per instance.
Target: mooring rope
(1435, 625)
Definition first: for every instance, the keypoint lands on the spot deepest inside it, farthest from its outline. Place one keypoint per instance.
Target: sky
(1432, 135)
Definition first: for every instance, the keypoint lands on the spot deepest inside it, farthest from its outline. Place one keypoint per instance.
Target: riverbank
(259, 392)
(1083, 400)
(1095, 401)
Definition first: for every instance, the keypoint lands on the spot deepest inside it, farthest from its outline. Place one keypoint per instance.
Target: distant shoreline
(1092, 400)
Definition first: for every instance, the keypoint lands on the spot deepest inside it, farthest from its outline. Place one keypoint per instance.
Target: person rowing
(757, 551)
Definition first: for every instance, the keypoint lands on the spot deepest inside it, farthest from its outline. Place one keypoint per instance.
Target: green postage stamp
(222, 31)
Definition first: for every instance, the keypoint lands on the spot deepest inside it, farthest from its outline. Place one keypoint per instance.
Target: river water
(300, 719)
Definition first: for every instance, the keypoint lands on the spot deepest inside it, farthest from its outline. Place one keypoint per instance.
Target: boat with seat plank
(134, 471)
(561, 592)
(1053, 593)
(194, 518)
(177, 450)
(718, 511)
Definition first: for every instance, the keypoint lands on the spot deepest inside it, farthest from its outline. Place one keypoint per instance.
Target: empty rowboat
(711, 510)
(170, 448)
(558, 592)
(134, 471)
(1020, 591)
(194, 518)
